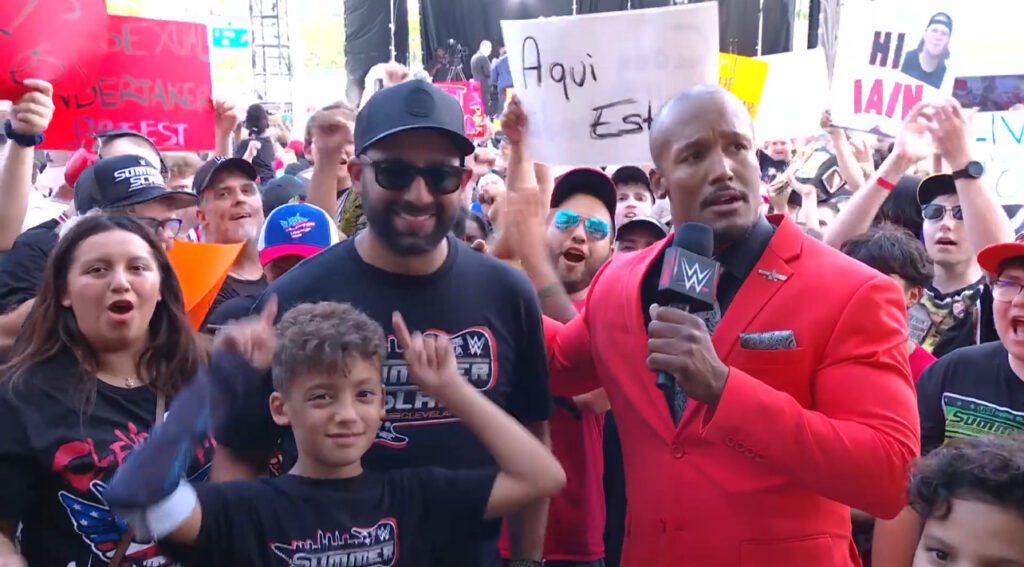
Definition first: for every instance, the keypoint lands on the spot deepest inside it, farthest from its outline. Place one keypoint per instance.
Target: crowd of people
(426, 349)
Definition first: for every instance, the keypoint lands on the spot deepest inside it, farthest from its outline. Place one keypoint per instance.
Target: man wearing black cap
(927, 63)
(231, 211)
(635, 196)
(408, 170)
(126, 183)
(639, 233)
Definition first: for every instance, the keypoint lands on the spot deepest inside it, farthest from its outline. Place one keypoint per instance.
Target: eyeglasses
(597, 228)
(170, 227)
(398, 175)
(1006, 291)
(934, 212)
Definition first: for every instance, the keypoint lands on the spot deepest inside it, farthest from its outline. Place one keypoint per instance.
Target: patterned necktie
(675, 396)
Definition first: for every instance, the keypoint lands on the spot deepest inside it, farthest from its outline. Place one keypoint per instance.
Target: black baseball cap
(632, 175)
(283, 190)
(123, 181)
(412, 105)
(942, 19)
(218, 164)
(935, 186)
(589, 181)
(639, 222)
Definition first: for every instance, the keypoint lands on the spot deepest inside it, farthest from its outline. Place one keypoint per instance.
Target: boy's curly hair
(324, 338)
(984, 469)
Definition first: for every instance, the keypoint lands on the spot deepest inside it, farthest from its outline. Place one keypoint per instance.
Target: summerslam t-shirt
(395, 519)
(55, 463)
(492, 315)
(971, 392)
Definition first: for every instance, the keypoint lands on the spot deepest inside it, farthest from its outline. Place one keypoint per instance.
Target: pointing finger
(401, 330)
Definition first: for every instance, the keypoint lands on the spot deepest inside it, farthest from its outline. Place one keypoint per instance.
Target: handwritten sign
(794, 96)
(52, 40)
(590, 98)
(743, 77)
(469, 95)
(155, 79)
(889, 61)
(999, 144)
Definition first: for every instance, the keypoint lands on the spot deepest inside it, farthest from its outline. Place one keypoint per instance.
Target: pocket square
(768, 340)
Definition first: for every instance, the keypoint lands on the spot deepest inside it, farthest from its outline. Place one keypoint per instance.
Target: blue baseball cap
(296, 229)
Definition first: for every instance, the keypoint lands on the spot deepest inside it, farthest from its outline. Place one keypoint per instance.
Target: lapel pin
(772, 275)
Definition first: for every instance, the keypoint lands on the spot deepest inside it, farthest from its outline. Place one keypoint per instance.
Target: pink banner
(469, 95)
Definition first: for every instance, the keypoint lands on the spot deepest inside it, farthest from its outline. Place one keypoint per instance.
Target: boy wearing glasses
(409, 171)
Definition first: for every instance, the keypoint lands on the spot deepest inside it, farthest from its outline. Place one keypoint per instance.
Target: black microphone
(689, 278)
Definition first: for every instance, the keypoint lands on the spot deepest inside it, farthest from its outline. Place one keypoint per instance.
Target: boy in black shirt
(329, 511)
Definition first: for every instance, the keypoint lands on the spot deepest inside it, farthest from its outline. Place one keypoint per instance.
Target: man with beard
(408, 170)
(231, 211)
(778, 420)
(579, 241)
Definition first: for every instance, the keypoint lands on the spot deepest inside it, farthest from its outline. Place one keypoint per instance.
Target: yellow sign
(743, 77)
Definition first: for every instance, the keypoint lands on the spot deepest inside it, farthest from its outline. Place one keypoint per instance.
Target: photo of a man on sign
(927, 63)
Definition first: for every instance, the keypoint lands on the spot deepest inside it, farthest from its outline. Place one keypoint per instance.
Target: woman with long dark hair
(107, 344)
(257, 122)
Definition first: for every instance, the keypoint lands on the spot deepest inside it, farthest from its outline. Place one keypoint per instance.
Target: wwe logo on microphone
(695, 277)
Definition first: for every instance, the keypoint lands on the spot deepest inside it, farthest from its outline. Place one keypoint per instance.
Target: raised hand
(333, 140)
(949, 127)
(226, 117)
(430, 358)
(914, 142)
(32, 113)
(253, 337)
(514, 122)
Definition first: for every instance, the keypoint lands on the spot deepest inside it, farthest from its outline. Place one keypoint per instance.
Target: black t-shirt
(263, 161)
(55, 464)
(21, 269)
(490, 311)
(398, 518)
(232, 288)
(912, 67)
(770, 167)
(231, 310)
(971, 392)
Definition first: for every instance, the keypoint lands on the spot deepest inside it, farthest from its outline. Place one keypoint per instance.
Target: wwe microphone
(688, 281)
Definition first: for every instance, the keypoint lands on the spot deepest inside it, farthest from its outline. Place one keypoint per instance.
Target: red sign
(155, 79)
(52, 40)
(469, 96)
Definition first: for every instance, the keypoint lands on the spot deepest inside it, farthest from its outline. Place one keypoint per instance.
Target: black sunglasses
(171, 227)
(398, 175)
(934, 212)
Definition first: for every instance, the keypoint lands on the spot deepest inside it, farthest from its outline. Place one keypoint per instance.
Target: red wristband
(885, 183)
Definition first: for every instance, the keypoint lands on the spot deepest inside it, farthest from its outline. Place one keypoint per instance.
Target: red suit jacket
(798, 437)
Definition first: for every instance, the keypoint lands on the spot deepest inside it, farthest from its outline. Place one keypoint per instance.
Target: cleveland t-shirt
(394, 519)
(55, 463)
(971, 392)
(492, 315)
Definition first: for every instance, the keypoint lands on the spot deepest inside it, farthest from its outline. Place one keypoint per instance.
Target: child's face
(975, 534)
(335, 418)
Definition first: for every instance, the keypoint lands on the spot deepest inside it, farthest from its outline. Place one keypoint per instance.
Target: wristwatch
(973, 170)
(23, 140)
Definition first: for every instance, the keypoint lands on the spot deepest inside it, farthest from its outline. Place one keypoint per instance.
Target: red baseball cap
(992, 257)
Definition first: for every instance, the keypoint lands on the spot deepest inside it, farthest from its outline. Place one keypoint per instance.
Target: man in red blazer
(800, 398)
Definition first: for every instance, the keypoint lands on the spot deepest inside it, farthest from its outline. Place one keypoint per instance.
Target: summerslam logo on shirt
(477, 360)
(360, 547)
(967, 417)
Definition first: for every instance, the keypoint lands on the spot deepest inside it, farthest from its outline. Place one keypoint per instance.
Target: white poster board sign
(890, 58)
(795, 94)
(591, 95)
(999, 144)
